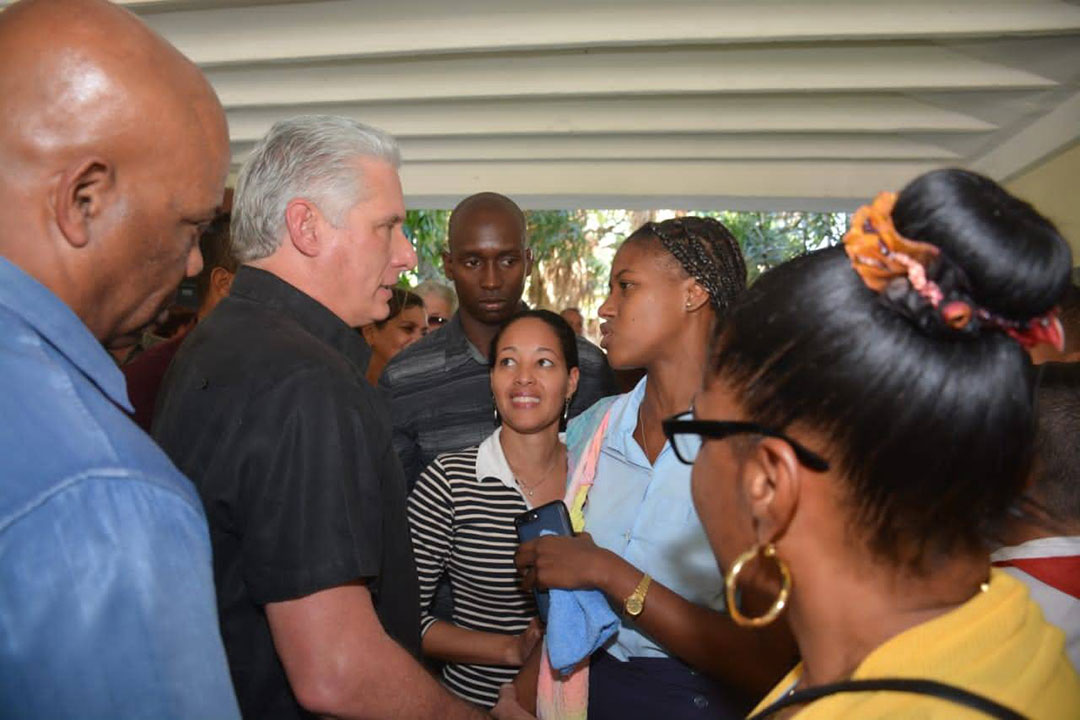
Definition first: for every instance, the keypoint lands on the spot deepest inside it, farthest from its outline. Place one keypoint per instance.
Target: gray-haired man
(267, 410)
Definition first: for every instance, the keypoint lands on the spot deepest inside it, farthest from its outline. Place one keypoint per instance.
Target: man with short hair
(144, 374)
(438, 389)
(266, 408)
(113, 157)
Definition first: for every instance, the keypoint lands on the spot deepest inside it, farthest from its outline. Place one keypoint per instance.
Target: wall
(1053, 186)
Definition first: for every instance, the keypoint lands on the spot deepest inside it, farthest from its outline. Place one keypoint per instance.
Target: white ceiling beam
(668, 148)
(1039, 139)
(343, 29)
(699, 202)
(841, 185)
(620, 72)
(811, 113)
(155, 6)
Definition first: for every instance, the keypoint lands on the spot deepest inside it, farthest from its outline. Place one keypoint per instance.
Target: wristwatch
(634, 604)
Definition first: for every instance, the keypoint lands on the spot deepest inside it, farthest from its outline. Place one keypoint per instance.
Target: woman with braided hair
(672, 283)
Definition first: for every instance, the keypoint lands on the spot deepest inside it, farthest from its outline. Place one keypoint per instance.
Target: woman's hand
(522, 644)
(508, 707)
(563, 562)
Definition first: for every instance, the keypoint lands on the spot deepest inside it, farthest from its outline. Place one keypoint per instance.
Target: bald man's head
(482, 207)
(113, 156)
(487, 258)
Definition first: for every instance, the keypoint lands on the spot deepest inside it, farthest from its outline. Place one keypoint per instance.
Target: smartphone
(531, 523)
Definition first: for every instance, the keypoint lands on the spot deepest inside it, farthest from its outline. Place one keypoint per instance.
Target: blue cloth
(107, 605)
(645, 515)
(579, 622)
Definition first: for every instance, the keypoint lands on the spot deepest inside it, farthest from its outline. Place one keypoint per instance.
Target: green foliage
(427, 230)
(771, 238)
(565, 270)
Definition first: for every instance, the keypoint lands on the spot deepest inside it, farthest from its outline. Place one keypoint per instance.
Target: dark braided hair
(707, 251)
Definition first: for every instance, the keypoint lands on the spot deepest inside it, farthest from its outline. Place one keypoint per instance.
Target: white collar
(491, 462)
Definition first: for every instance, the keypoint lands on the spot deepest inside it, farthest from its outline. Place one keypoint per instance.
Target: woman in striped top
(462, 510)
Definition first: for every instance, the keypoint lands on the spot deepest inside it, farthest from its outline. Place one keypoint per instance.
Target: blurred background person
(406, 323)
(878, 405)
(440, 301)
(144, 374)
(576, 320)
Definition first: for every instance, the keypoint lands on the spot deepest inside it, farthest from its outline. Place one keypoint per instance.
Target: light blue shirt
(107, 606)
(645, 514)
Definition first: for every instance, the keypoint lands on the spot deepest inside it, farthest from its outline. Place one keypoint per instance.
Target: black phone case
(530, 524)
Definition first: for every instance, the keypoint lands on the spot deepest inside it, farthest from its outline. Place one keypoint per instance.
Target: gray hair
(312, 156)
(434, 287)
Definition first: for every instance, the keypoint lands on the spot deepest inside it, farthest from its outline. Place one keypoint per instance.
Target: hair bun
(997, 252)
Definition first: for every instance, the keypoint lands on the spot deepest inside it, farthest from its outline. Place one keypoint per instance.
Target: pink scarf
(567, 698)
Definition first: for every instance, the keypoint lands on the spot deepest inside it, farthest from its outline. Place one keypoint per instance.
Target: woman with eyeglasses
(867, 413)
(439, 300)
(671, 284)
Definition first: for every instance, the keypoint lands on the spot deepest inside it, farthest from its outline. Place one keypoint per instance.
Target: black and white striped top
(462, 522)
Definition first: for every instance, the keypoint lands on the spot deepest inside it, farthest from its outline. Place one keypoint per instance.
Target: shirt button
(701, 702)
(626, 536)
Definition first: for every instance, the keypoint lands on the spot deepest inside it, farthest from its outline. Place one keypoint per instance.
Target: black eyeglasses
(679, 427)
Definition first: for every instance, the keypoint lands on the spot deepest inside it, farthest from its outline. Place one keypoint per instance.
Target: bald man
(113, 157)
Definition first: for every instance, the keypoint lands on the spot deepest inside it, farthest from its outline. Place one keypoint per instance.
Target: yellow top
(996, 645)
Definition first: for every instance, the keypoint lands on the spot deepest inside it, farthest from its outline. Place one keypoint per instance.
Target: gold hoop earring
(732, 579)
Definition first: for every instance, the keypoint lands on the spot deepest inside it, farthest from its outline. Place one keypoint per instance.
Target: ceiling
(810, 104)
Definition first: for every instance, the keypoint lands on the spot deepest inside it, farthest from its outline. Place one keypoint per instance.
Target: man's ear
(302, 221)
(772, 486)
(221, 280)
(81, 196)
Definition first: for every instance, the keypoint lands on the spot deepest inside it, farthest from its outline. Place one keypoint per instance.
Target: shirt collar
(491, 461)
(61, 327)
(458, 346)
(624, 417)
(270, 290)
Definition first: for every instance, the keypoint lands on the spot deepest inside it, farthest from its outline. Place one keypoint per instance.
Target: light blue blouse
(645, 514)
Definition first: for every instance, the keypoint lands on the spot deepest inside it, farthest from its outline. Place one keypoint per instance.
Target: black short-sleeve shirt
(266, 409)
